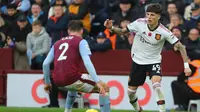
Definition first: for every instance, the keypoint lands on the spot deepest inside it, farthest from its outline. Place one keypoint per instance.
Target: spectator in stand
(198, 24)
(79, 10)
(171, 9)
(113, 6)
(57, 24)
(192, 44)
(188, 11)
(122, 41)
(112, 36)
(2, 33)
(195, 17)
(38, 45)
(54, 3)
(3, 27)
(2, 40)
(125, 12)
(17, 38)
(22, 5)
(119, 41)
(12, 15)
(177, 31)
(99, 13)
(186, 88)
(175, 20)
(100, 44)
(44, 4)
(180, 4)
(37, 14)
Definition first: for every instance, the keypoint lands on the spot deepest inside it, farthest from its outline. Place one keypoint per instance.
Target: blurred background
(28, 29)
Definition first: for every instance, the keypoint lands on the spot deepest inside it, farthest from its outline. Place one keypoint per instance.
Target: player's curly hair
(156, 8)
(75, 25)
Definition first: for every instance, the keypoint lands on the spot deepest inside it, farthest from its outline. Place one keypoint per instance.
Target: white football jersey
(147, 44)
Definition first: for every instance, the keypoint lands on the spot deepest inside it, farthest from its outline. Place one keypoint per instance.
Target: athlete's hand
(108, 23)
(101, 86)
(47, 88)
(187, 71)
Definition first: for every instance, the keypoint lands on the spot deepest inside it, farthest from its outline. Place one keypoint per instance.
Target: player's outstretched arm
(109, 24)
(179, 46)
(46, 66)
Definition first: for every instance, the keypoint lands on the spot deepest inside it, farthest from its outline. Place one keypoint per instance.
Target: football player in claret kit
(146, 53)
(67, 54)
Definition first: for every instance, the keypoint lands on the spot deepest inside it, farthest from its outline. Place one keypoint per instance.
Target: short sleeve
(133, 26)
(171, 38)
(84, 48)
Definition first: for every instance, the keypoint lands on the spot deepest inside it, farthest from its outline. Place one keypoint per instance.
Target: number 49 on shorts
(156, 68)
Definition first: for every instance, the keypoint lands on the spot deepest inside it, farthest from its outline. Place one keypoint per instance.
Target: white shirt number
(63, 47)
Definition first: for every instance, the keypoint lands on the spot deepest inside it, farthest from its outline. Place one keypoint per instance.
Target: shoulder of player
(163, 29)
(57, 43)
(141, 20)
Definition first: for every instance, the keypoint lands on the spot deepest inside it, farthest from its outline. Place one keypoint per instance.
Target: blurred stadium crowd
(31, 27)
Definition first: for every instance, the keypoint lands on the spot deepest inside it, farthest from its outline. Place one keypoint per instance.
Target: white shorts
(85, 84)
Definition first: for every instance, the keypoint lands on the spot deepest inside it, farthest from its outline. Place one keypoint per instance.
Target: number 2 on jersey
(64, 47)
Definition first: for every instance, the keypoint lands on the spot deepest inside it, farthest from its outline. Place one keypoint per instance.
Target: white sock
(68, 110)
(159, 96)
(133, 99)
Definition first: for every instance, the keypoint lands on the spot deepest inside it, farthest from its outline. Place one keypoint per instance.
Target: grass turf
(15, 109)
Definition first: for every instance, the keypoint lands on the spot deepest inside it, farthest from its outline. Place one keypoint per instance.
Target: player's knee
(132, 87)
(132, 90)
(155, 79)
(156, 85)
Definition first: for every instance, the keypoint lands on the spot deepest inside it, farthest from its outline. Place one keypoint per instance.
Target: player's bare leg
(71, 97)
(104, 100)
(133, 99)
(159, 95)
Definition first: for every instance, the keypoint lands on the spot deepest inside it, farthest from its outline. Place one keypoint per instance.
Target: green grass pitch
(15, 109)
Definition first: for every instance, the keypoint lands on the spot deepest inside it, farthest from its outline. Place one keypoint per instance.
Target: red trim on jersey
(163, 27)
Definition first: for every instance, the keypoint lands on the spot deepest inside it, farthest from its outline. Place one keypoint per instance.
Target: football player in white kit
(146, 53)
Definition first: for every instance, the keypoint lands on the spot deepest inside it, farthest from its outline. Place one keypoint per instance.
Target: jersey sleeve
(46, 65)
(84, 48)
(85, 52)
(133, 27)
(171, 38)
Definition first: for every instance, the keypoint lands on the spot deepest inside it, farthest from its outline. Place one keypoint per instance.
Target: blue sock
(104, 102)
(71, 97)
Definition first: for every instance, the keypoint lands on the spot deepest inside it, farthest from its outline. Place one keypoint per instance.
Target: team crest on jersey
(158, 37)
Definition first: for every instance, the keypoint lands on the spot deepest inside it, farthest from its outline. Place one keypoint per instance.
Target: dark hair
(171, 2)
(36, 4)
(11, 6)
(177, 27)
(58, 6)
(156, 8)
(37, 22)
(75, 25)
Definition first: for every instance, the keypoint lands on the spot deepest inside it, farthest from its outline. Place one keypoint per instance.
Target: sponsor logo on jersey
(158, 37)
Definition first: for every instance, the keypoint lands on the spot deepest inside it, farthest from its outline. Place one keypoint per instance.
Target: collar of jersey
(154, 28)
